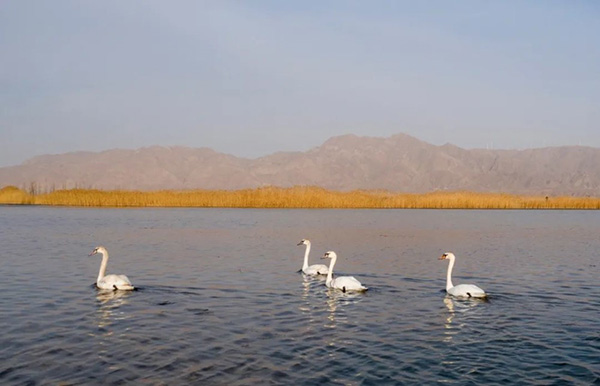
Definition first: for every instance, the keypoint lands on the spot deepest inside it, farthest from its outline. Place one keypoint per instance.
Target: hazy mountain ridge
(398, 163)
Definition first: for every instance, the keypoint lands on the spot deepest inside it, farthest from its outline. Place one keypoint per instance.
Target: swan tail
(467, 291)
(470, 295)
(112, 286)
(120, 287)
(477, 295)
(348, 284)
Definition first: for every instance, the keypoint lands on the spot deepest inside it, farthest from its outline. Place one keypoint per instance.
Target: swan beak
(300, 243)
(443, 257)
(93, 252)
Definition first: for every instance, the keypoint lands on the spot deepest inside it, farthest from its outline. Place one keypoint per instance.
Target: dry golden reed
(11, 195)
(296, 197)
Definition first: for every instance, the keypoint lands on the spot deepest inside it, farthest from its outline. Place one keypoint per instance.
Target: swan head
(304, 242)
(99, 249)
(447, 255)
(329, 255)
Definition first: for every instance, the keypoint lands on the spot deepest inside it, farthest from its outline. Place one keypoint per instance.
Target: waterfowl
(110, 282)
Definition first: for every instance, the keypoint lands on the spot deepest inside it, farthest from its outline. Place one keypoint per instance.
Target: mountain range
(399, 163)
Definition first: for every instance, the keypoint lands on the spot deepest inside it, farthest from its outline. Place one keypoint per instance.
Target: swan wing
(467, 291)
(316, 269)
(347, 283)
(112, 282)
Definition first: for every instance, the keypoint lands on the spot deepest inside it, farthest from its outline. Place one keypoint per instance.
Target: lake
(220, 299)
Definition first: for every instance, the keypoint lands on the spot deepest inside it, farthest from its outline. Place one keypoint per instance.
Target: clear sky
(251, 78)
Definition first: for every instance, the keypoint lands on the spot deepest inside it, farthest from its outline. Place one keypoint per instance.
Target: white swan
(315, 269)
(344, 283)
(461, 290)
(110, 282)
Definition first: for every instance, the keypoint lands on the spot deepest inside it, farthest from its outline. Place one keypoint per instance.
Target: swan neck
(306, 252)
(449, 274)
(330, 273)
(102, 271)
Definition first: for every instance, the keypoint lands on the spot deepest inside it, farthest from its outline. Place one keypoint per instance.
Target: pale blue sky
(254, 77)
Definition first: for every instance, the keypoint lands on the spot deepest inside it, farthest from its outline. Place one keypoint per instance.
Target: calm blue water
(220, 300)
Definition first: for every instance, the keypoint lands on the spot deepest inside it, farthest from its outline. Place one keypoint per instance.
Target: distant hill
(399, 163)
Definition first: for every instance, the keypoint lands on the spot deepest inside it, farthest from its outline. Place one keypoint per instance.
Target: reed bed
(11, 195)
(296, 197)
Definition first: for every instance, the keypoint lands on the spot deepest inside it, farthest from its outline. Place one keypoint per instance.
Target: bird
(110, 282)
(315, 269)
(461, 290)
(344, 283)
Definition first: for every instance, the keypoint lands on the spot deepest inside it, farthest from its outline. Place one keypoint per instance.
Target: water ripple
(227, 308)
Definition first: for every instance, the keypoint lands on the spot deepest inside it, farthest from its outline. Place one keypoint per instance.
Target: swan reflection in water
(337, 302)
(458, 311)
(311, 302)
(109, 334)
(324, 307)
(109, 303)
(310, 286)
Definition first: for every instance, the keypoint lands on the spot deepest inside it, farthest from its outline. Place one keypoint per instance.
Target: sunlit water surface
(220, 299)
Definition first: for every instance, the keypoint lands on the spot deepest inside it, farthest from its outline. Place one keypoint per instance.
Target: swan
(461, 290)
(344, 283)
(315, 269)
(110, 282)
